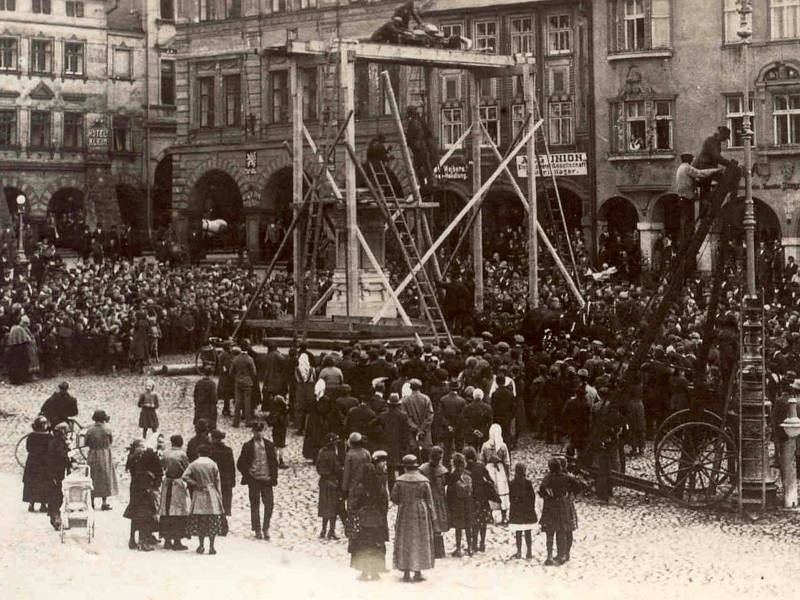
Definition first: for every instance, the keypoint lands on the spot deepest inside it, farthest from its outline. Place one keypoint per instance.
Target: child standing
(559, 518)
(459, 503)
(148, 402)
(523, 509)
(279, 419)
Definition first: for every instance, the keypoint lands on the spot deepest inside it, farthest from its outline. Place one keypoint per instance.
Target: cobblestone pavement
(634, 541)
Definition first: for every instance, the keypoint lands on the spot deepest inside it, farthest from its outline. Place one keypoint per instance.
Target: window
(734, 108)
(9, 54)
(559, 34)
(168, 82)
(451, 87)
(558, 81)
(41, 56)
(560, 123)
(452, 30)
(122, 135)
(730, 14)
(786, 119)
(123, 63)
(452, 126)
(522, 35)
(488, 87)
(233, 9)
(8, 5)
(232, 85)
(208, 10)
(8, 128)
(73, 130)
(663, 126)
(40, 7)
(280, 96)
(40, 129)
(486, 36)
(309, 82)
(167, 10)
(73, 58)
(491, 121)
(205, 101)
(636, 126)
(634, 25)
(517, 119)
(785, 17)
(74, 8)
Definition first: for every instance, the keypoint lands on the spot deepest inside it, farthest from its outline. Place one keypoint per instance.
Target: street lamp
(745, 32)
(21, 258)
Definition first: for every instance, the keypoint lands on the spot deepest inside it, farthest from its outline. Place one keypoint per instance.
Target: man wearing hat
(419, 409)
(60, 406)
(687, 178)
(222, 454)
(710, 157)
(205, 398)
(355, 460)
(395, 435)
(451, 408)
(243, 371)
(362, 418)
(258, 464)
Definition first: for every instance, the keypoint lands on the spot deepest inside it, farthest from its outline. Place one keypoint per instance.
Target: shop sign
(455, 169)
(566, 164)
(98, 134)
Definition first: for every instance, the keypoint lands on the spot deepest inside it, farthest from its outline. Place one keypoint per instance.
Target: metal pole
(745, 32)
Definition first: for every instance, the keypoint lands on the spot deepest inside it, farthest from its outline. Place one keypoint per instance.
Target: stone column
(252, 226)
(647, 238)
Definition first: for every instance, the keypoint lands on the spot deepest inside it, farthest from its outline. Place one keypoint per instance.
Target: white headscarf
(304, 367)
(496, 436)
(319, 389)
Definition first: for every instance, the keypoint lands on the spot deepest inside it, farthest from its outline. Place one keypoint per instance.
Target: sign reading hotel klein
(97, 137)
(561, 165)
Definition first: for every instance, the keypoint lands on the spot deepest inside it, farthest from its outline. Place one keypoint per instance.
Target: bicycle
(208, 356)
(76, 441)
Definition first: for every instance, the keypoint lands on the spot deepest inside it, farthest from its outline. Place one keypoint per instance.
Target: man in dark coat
(396, 434)
(457, 304)
(243, 371)
(478, 419)
(342, 405)
(362, 419)
(223, 456)
(451, 409)
(58, 465)
(276, 375)
(503, 404)
(710, 157)
(258, 464)
(205, 399)
(60, 406)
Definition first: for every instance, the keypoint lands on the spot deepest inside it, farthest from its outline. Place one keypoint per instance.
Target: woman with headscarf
(494, 454)
(367, 546)
(20, 345)
(329, 468)
(318, 422)
(207, 511)
(35, 478)
(104, 477)
(413, 537)
(303, 389)
(145, 469)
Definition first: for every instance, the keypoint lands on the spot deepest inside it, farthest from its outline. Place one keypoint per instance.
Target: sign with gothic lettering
(251, 162)
(566, 164)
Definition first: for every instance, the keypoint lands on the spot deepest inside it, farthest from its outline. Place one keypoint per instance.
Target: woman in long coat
(104, 477)
(459, 502)
(367, 547)
(148, 403)
(482, 492)
(329, 468)
(207, 511)
(317, 423)
(559, 518)
(173, 507)
(413, 537)
(494, 454)
(437, 477)
(145, 469)
(35, 479)
(18, 354)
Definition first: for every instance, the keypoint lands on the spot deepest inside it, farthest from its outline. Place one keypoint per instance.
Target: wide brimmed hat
(394, 399)
(100, 416)
(379, 455)
(410, 461)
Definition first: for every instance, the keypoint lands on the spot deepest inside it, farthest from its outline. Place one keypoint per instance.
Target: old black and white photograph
(311, 299)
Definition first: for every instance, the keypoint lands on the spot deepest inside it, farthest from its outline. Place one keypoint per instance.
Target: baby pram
(77, 511)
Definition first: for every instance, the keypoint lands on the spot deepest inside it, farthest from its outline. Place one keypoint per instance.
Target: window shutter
(660, 23)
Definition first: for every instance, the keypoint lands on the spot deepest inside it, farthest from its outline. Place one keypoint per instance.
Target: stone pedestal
(648, 233)
(371, 292)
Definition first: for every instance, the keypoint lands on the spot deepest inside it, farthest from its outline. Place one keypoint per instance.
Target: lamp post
(791, 426)
(22, 260)
(745, 32)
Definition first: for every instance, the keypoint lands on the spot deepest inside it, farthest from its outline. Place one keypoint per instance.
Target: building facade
(667, 73)
(231, 162)
(73, 110)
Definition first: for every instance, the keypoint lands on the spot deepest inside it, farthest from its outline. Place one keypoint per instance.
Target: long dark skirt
(18, 360)
(368, 550)
(207, 525)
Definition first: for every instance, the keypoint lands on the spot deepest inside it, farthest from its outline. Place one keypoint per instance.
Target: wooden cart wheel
(685, 416)
(21, 450)
(696, 464)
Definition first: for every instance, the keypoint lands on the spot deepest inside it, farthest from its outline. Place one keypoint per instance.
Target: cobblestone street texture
(632, 546)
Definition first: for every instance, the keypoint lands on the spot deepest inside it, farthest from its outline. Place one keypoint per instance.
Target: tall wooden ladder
(389, 204)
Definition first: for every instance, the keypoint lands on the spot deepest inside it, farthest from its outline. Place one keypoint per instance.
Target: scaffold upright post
(297, 180)
(529, 86)
(347, 79)
(477, 224)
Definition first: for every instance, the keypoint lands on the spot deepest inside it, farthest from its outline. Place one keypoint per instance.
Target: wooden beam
(411, 55)
(331, 180)
(347, 82)
(296, 91)
(529, 87)
(457, 219)
(477, 223)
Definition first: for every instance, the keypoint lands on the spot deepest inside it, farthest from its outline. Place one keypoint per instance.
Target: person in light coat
(419, 409)
(207, 512)
(173, 508)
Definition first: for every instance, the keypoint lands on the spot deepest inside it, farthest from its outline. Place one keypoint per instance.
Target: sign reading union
(561, 165)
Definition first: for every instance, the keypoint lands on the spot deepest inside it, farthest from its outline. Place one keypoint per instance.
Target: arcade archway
(677, 216)
(10, 194)
(66, 215)
(131, 204)
(217, 196)
(620, 216)
(768, 226)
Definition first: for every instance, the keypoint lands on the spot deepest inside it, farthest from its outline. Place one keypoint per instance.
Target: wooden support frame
(477, 223)
(529, 88)
(457, 219)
